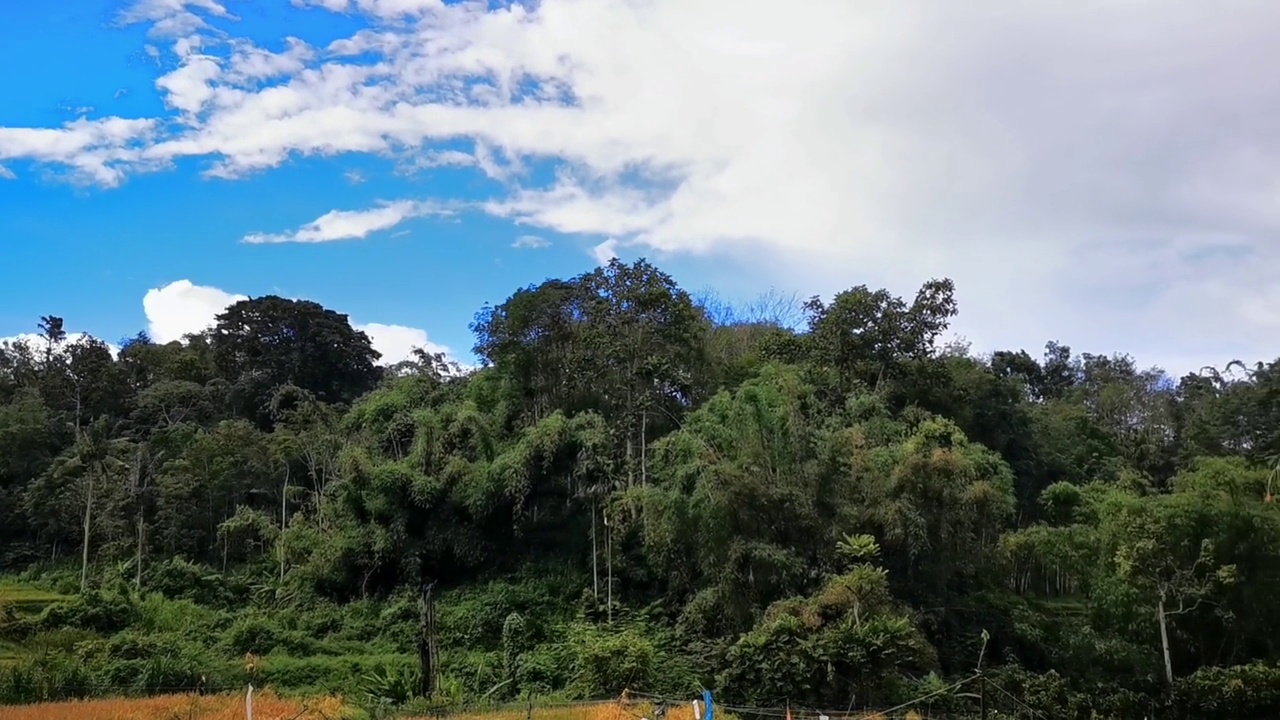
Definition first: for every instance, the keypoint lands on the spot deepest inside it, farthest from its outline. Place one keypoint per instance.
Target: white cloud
(182, 307)
(1102, 173)
(7, 174)
(384, 9)
(172, 18)
(36, 342)
(188, 87)
(95, 150)
(349, 224)
(530, 242)
(396, 342)
(605, 251)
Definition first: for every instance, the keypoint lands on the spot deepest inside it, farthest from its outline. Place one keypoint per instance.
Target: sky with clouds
(1103, 174)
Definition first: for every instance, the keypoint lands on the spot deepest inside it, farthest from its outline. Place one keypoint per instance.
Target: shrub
(1240, 691)
(94, 611)
(261, 635)
(140, 663)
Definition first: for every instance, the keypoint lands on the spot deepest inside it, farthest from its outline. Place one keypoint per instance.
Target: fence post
(248, 703)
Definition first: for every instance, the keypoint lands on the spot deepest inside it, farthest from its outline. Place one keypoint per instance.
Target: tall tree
(264, 343)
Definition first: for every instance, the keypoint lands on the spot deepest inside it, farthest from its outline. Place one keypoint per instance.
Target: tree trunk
(137, 484)
(644, 465)
(137, 569)
(595, 553)
(284, 496)
(608, 562)
(1164, 640)
(84, 550)
(427, 642)
(631, 465)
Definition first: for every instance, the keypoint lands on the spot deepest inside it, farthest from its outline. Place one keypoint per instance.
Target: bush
(182, 580)
(606, 661)
(473, 618)
(159, 614)
(261, 635)
(1085, 701)
(139, 663)
(94, 611)
(44, 679)
(1240, 691)
(328, 675)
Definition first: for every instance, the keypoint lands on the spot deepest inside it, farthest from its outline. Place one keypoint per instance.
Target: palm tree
(93, 458)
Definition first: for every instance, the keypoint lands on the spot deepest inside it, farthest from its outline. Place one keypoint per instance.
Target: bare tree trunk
(631, 465)
(137, 487)
(608, 561)
(427, 642)
(1164, 640)
(644, 465)
(88, 521)
(137, 569)
(595, 553)
(284, 496)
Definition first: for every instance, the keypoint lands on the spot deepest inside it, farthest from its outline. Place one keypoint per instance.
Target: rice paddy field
(21, 600)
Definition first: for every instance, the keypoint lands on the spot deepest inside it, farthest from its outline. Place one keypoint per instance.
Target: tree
(263, 343)
(53, 334)
(869, 337)
(94, 460)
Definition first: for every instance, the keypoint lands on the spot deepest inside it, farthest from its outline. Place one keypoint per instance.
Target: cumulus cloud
(349, 224)
(1103, 173)
(397, 342)
(182, 308)
(530, 242)
(36, 342)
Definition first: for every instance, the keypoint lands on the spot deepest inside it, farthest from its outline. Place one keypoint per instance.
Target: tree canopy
(651, 490)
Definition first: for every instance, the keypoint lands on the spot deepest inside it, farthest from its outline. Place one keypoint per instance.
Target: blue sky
(1092, 175)
(110, 246)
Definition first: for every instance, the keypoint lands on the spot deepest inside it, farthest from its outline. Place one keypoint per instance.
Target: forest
(814, 503)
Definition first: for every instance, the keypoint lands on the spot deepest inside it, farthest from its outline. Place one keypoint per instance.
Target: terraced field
(21, 600)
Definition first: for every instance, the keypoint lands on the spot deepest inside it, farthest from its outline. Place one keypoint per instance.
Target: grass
(22, 600)
(630, 711)
(26, 599)
(266, 706)
(9, 652)
(584, 711)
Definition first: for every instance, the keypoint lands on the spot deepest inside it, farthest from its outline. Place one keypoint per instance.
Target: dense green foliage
(638, 489)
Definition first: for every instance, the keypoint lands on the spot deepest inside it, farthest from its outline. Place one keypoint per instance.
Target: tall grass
(266, 706)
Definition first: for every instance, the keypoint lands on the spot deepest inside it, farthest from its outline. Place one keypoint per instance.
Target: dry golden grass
(586, 711)
(637, 711)
(266, 706)
(601, 711)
